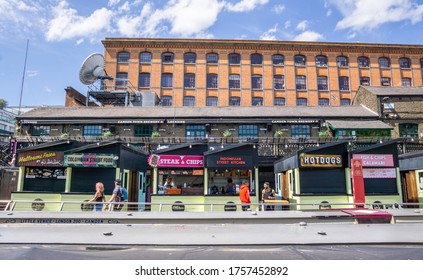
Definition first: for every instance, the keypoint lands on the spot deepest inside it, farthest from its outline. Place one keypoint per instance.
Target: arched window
(278, 59)
(279, 101)
(256, 59)
(234, 58)
(144, 80)
(190, 57)
(145, 57)
(189, 80)
(321, 61)
(404, 62)
(211, 101)
(189, 101)
(123, 57)
(167, 57)
(212, 58)
(384, 62)
(121, 79)
(342, 61)
(299, 60)
(363, 61)
(257, 101)
(167, 80)
(256, 81)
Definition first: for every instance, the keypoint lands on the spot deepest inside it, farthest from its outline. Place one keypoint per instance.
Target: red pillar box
(358, 182)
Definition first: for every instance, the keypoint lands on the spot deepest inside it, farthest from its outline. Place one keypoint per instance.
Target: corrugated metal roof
(370, 124)
(46, 113)
(395, 90)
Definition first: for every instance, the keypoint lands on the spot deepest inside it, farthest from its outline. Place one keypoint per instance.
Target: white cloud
(113, 3)
(245, 5)
(32, 73)
(309, 36)
(270, 34)
(278, 9)
(49, 90)
(302, 26)
(329, 13)
(287, 24)
(67, 24)
(362, 15)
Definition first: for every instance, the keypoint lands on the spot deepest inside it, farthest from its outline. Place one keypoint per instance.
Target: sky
(62, 33)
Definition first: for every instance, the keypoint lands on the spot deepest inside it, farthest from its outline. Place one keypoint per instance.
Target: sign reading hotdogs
(311, 160)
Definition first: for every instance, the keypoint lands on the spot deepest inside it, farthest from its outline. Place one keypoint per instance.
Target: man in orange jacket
(244, 195)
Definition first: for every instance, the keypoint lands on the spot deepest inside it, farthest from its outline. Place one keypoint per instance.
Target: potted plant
(278, 134)
(108, 134)
(227, 133)
(155, 134)
(64, 135)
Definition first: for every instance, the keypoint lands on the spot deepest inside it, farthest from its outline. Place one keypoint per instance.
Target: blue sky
(62, 33)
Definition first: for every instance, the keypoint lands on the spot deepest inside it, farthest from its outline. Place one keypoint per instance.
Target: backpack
(124, 194)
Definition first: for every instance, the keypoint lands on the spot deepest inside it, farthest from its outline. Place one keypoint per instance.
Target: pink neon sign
(375, 159)
(185, 161)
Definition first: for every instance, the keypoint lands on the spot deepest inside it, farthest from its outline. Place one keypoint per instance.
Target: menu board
(45, 173)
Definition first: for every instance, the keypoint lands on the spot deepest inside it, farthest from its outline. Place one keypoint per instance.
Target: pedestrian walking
(99, 197)
(116, 196)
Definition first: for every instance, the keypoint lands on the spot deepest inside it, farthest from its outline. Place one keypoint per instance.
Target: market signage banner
(240, 162)
(379, 173)
(41, 158)
(375, 159)
(312, 160)
(184, 161)
(90, 160)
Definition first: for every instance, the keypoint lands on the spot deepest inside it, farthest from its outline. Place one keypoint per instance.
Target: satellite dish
(92, 69)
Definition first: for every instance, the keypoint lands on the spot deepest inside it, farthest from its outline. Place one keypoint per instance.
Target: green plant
(108, 134)
(64, 135)
(278, 134)
(324, 133)
(155, 134)
(227, 133)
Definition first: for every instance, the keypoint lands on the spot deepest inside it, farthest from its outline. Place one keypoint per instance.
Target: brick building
(199, 72)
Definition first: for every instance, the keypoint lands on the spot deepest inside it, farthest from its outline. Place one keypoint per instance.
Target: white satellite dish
(92, 69)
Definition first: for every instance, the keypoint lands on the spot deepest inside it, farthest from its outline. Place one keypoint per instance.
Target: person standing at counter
(268, 194)
(244, 195)
(230, 188)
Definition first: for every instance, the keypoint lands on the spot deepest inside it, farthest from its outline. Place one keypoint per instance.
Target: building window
(421, 63)
(190, 58)
(256, 81)
(409, 130)
(142, 130)
(386, 82)
(256, 59)
(234, 58)
(299, 60)
(40, 130)
(121, 79)
(144, 80)
(248, 131)
(384, 62)
(212, 58)
(345, 102)
(167, 80)
(300, 82)
(166, 100)
(365, 81)
(211, 101)
(342, 61)
(234, 81)
(344, 83)
(278, 82)
(363, 62)
(189, 80)
(234, 101)
(406, 82)
(300, 131)
(321, 61)
(194, 131)
(279, 101)
(145, 57)
(189, 101)
(123, 57)
(212, 81)
(278, 59)
(323, 102)
(257, 101)
(404, 62)
(93, 130)
(167, 58)
(301, 101)
(322, 83)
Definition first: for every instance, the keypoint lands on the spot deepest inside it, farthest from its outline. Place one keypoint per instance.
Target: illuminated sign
(311, 160)
(41, 158)
(184, 161)
(230, 161)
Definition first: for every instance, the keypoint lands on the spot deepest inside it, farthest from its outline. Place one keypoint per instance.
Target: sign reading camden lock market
(90, 160)
(312, 160)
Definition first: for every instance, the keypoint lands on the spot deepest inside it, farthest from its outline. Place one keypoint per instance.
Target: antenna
(92, 69)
